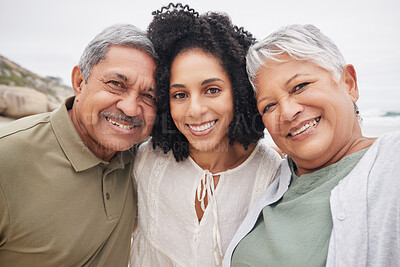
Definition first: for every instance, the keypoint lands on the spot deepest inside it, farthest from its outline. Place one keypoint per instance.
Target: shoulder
(384, 148)
(146, 147)
(141, 154)
(269, 163)
(24, 124)
(376, 169)
(143, 146)
(147, 156)
(266, 153)
(143, 149)
(389, 140)
(23, 142)
(383, 168)
(386, 151)
(5, 221)
(21, 133)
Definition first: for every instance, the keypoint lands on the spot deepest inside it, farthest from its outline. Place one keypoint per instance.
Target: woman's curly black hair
(177, 28)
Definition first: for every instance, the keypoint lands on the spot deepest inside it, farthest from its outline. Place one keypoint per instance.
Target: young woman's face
(201, 99)
(309, 114)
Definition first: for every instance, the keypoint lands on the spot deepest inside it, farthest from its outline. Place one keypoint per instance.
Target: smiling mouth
(121, 120)
(120, 125)
(202, 127)
(305, 127)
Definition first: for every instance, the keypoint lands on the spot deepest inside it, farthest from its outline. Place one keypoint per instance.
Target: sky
(48, 37)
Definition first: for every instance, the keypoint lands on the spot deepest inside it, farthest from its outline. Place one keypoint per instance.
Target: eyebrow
(118, 75)
(177, 85)
(294, 77)
(262, 99)
(211, 80)
(121, 76)
(286, 85)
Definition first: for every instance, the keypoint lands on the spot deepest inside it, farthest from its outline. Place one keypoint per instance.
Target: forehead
(196, 60)
(287, 68)
(127, 59)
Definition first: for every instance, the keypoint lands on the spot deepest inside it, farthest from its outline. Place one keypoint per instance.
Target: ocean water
(376, 126)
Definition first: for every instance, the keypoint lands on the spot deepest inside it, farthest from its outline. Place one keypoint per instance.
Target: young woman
(203, 167)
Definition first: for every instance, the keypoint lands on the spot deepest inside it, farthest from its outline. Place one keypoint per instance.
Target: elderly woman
(338, 202)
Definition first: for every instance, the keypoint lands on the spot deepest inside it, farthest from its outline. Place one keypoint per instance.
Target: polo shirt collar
(80, 156)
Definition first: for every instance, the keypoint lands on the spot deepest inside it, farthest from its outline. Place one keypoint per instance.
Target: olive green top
(60, 205)
(295, 231)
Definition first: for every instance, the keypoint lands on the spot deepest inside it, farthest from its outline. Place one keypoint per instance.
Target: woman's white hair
(301, 42)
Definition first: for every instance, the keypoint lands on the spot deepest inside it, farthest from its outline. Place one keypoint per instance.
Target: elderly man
(66, 196)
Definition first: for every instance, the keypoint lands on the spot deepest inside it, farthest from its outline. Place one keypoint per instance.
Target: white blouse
(168, 232)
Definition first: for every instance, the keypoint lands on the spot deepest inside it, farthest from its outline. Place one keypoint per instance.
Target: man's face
(116, 108)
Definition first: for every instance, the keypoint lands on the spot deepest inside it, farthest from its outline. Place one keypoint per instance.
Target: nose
(129, 104)
(196, 107)
(289, 109)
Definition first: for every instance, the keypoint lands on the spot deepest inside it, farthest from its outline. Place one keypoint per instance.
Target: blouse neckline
(235, 169)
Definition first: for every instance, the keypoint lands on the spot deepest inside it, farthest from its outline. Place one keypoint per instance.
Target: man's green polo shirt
(60, 205)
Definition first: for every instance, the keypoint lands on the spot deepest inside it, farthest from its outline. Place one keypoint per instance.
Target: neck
(223, 158)
(356, 143)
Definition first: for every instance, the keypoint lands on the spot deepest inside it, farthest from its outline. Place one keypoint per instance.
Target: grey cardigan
(365, 209)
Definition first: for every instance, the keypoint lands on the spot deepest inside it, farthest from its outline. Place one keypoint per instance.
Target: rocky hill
(24, 93)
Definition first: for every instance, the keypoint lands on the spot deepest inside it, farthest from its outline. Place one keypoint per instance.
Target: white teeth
(122, 126)
(305, 127)
(202, 127)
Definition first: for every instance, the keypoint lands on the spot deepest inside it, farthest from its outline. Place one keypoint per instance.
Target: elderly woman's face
(309, 115)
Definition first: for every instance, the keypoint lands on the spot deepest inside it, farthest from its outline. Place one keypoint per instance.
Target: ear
(78, 80)
(349, 78)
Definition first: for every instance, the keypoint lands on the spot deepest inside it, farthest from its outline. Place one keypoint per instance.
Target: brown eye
(213, 91)
(179, 95)
(299, 87)
(149, 96)
(267, 108)
(149, 99)
(115, 87)
(115, 83)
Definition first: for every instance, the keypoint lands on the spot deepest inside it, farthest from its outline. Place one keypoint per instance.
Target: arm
(4, 217)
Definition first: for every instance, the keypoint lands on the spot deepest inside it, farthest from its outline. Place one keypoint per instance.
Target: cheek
(149, 115)
(176, 114)
(230, 113)
(89, 114)
(226, 107)
(269, 124)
